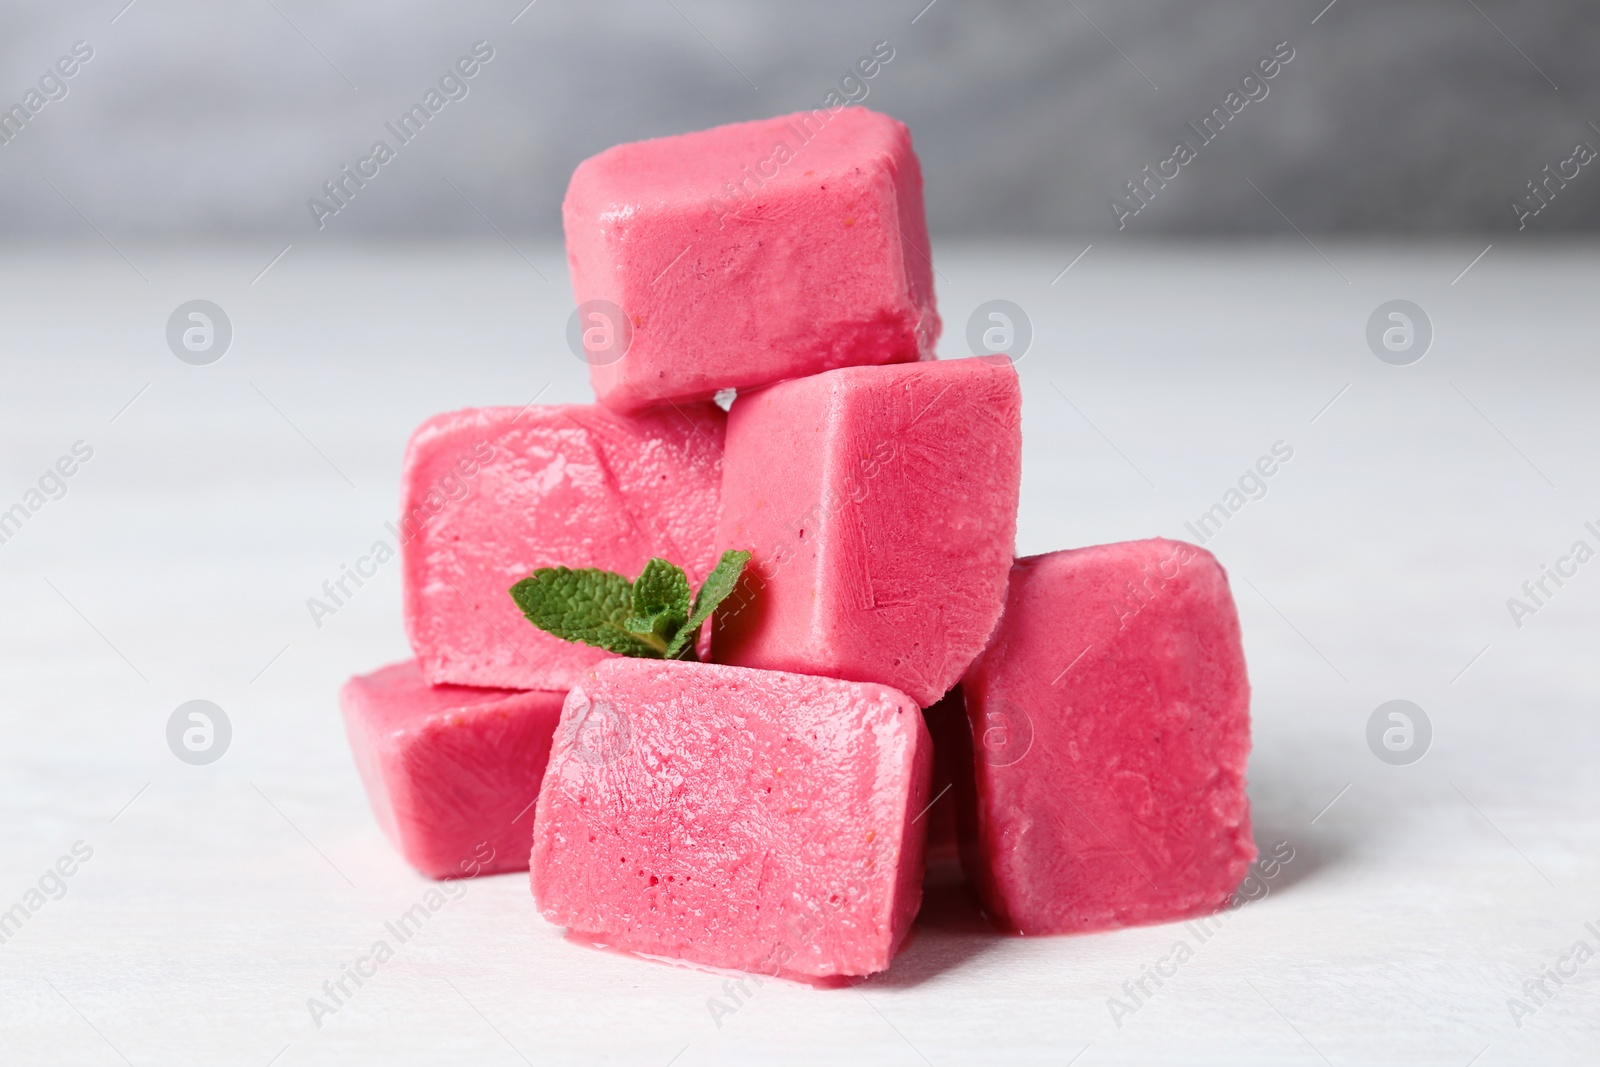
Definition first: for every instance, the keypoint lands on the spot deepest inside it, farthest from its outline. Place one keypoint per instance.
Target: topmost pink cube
(748, 254)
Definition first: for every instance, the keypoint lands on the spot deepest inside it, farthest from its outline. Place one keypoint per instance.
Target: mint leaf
(718, 584)
(651, 618)
(660, 604)
(588, 606)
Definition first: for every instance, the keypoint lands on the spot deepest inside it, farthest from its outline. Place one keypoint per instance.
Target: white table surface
(219, 898)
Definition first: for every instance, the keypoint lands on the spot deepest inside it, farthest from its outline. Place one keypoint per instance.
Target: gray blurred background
(199, 120)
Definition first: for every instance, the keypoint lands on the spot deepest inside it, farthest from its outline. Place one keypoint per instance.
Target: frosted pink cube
(880, 504)
(492, 494)
(747, 254)
(734, 818)
(452, 772)
(1110, 720)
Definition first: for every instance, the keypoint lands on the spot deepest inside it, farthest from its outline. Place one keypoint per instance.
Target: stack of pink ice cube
(770, 810)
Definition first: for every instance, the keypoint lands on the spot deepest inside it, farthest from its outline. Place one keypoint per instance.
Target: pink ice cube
(747, 254)
(1110, 718)
(734, 818)
(880, 504)
(491, 494)
(451, 771)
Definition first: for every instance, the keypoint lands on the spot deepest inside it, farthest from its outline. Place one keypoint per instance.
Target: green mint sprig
(650, 618)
